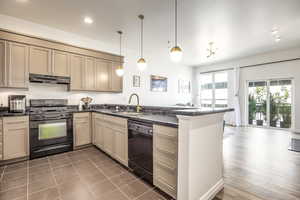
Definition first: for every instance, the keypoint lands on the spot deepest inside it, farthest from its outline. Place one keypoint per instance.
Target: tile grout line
(27, 186)
(53, 176)
(118, 188)
(2, 173)
(89, 189)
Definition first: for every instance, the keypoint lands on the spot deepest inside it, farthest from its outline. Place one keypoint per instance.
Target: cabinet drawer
(15, 123)
(169, 161)
(167, 132)
(115, 120)
(166, 180)
(82, 117)
(166, 146)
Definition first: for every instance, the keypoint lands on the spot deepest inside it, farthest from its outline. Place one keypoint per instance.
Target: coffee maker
(17, 103)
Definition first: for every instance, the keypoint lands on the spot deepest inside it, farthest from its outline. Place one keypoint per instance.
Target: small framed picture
(159, 84)
(136, 81)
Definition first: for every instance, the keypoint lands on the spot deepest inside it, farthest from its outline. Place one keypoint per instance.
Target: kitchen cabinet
(77, 71)
(17, 65)
(1, 140)
(89, 74)
(40, 61)
(165, 147)
(116, 81)
(98, 130)
(2, 63)
(111, 135)
(15, 137)
(102, 75)
(60, 63)
(82, 129)
(45, 61)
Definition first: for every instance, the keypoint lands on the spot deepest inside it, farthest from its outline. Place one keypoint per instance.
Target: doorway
(270, 103)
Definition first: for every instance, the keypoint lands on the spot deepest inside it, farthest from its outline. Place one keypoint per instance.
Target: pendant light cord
(142, 37)
(175, 22)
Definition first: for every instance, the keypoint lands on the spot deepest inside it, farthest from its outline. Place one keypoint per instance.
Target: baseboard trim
(212, 192)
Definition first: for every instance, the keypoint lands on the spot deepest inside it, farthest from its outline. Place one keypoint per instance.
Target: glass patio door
(257, 103)
(270, 103)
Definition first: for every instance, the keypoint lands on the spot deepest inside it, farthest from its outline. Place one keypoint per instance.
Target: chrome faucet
(138, 107)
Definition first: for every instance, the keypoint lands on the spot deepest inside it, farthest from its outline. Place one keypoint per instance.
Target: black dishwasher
(140, 149)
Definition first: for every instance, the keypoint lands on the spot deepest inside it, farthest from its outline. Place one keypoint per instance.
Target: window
(213, 90)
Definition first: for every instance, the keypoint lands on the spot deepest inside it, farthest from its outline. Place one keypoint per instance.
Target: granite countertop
(8, 114)
(201, 111)
(145, 117)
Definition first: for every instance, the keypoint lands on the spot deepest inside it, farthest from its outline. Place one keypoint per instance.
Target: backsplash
(50, 91)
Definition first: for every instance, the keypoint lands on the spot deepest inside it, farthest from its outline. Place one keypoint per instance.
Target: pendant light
(120, 70)
(176, 52)
(141, 63)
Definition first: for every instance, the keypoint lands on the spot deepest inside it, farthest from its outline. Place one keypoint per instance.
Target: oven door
(45, 133)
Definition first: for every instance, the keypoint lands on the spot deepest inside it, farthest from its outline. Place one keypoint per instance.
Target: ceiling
(237, 27)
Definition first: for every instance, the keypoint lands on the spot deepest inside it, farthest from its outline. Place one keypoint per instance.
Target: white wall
(157, 65)
(289, 69)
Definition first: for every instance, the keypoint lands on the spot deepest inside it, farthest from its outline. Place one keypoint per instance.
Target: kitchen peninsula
(182, 141)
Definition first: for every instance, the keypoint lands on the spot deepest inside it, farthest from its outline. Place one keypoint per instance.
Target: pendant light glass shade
(141, 63)
(120, 70)
(176, 51)
(176, 54)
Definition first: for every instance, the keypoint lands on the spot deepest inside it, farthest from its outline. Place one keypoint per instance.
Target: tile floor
(86, 174)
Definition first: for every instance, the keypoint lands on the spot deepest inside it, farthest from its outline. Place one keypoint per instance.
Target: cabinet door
(15, 137)
(98, 133)
(102, 75)
(90, 74)
(1, 140)
(17, 65)
(40, 61)
(109, 141)
(77, 72)
(2, 63)
(82, 129)
(60, 63)
(121, 147)
(116, 81)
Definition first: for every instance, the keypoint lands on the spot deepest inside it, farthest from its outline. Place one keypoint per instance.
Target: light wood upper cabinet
(103, 71)
(116, 81)
(17, 65)
(82, 129)
(40, 61)
(60, 63)
(77, 72)
(15, 137)
(90, 72)
(2, 63)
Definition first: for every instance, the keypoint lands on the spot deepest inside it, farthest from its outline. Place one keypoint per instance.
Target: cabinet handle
(17, 122)
(16, 129)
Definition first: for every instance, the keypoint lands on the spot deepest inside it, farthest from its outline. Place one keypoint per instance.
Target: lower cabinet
(15, 137)
(82, 129)
(110, 134)
(165, 147)
(1, 140)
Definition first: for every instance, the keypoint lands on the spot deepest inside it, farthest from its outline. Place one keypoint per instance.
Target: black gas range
(51, 127)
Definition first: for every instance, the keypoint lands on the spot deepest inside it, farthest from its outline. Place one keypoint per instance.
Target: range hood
(37, 78)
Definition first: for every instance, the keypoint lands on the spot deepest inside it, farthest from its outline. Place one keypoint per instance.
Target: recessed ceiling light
(277, 39)
(21, 1)
(88, 20)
